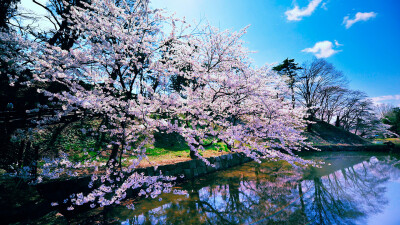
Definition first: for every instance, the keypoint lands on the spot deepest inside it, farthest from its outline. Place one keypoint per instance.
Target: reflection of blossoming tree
(119, 72)
(237, 197)
(264, 195)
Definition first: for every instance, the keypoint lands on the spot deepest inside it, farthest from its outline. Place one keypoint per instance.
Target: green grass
(81, 146)
(167, 155)
(396, 141)
(159, 151)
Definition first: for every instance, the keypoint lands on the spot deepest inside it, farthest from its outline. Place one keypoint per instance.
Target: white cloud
(337, 44)
(324, 6)
(359, 17)
(386, 98)
(322, 49)
(296, 14)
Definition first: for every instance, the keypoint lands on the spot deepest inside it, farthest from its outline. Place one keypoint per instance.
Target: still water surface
(351, 188)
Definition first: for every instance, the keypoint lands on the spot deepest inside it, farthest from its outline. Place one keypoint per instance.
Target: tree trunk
(337, 122)
(113, 155)
(193, 155)
(293, 99)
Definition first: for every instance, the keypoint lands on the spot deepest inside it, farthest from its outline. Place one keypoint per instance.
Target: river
(350, 188)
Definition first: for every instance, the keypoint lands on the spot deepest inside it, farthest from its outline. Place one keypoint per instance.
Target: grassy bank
(323, 134)
(165, 155)
(381, 141)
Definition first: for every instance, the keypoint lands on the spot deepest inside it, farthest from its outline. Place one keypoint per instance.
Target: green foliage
(170, 141)
(164, 150)
(288, 68)
(392, 118)
(381, 141)
(78, 140)
(178, 82)
(173, 142)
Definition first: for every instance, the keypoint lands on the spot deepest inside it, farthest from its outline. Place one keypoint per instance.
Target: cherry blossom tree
(119, 71)
(229, 101)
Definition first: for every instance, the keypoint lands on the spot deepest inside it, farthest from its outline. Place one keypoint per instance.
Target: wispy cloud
(359, 17)
(337, 44)
(322, 49)
(384, 98)
(297, 14)
(324, 6)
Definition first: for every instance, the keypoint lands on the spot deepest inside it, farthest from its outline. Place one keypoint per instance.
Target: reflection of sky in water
(349, 195)
(354, 189)
(390, 214)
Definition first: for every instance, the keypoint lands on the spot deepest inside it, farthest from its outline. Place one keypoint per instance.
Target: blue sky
(360, 37)
(369, 46)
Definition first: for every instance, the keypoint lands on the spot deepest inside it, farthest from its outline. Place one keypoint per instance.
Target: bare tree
(332, 99)
(346, 114)
(315, 77)
(383, 109)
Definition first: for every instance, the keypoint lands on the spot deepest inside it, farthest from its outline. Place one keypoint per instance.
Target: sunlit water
(351, 188)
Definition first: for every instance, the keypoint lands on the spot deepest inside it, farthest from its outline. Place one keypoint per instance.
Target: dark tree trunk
(113, 156)
(337, 122)
(193, 155)
(293, 98)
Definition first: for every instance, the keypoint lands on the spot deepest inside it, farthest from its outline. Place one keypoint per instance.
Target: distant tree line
(390, 115)
(323, 91)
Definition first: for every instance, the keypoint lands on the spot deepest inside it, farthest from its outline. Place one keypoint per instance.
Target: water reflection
(348, 195)
(348, 191)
